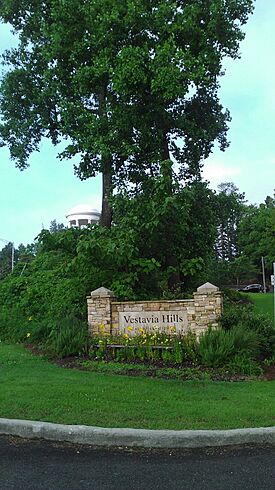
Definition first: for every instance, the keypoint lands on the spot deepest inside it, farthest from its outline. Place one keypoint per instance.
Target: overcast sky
(48, 188)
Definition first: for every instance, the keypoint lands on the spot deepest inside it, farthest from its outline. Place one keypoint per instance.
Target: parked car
(252, 288)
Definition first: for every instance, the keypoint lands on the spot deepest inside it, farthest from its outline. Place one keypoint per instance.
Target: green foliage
(68, 337)
(14, 325)
(247, 318)
(6, 260)
(217, 346)
(109, 77)
(270, 361)
(45, 289)
(132, 258)
(77, 74)
(39, 331)
(230, 209)
(226, 352)
(257, 234)
(233, 297)
(177, 231)
(147, 347)
(243, 364)
(153, 370)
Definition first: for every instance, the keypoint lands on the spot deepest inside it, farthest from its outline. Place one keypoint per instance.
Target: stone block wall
(100, 311)
(107, 316)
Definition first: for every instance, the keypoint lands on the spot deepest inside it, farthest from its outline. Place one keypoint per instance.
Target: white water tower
(82, 215)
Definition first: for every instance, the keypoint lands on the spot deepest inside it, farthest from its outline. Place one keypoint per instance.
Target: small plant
(242, 364)
(269, 361)
(167, 356)
(69, 337)
(216, 347)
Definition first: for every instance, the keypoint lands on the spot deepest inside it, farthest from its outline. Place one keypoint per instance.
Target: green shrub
(167, 356)
(186, 347)
(245, 341)
(14, 325)
(231, 316)
(243, 364)
(69, 337)
(39, 331)
(217, 346)
(231, 296)
(261, 324)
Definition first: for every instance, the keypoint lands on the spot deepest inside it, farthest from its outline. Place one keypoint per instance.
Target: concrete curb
(98, 436)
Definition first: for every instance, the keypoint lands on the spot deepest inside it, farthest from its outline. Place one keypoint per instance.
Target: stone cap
(207, 288)
(103, 292)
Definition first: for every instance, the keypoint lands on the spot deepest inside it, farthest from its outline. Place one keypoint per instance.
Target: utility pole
(263, 271)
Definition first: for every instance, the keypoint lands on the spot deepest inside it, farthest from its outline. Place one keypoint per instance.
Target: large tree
(230, 209)
(257, 234)
(129, 84)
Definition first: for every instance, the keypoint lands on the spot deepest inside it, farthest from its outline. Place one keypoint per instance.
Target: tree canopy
(127, 84)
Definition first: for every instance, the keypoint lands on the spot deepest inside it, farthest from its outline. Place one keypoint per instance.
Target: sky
(31, 199)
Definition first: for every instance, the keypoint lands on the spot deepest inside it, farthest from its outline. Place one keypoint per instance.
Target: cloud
(216, 173)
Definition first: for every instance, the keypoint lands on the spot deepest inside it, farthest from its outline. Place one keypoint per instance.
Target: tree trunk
(107, 191)
(106, 168)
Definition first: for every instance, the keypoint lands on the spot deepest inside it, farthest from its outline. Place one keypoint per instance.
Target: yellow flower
(172, 329)
(126, 336)
(28, 334)
(30, 318)
(130, 329)
(141, 330)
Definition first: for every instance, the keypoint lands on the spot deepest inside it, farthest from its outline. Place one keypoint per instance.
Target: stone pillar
(208, 306)
(100, 311)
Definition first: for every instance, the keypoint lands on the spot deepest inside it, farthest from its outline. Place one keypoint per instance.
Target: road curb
(99, 436)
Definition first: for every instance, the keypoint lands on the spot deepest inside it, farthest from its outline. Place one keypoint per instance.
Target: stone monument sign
(107, 315)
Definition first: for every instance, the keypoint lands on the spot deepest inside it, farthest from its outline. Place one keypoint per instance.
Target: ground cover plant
(32, 388)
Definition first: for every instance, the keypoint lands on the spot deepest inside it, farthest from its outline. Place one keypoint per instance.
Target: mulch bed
(269, 373)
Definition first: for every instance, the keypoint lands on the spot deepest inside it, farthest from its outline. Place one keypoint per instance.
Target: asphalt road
(37, 465)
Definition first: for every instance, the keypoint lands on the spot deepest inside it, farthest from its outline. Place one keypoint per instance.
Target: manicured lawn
(264, 303)
(34, 389)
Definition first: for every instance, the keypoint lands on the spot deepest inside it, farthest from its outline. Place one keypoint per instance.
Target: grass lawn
(34, 389)
(264, 303)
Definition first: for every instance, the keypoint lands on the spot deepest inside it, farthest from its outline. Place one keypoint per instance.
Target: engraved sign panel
(133, 322)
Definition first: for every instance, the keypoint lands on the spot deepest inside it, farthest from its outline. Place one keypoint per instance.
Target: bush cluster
(245, 317)
(62, 337)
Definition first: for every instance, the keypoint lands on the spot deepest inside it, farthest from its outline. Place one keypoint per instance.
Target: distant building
(82, 215)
